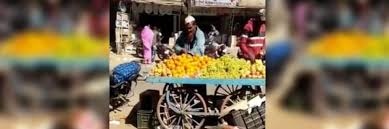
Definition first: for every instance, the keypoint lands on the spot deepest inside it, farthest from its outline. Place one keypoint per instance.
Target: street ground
(124, 111)
(127, 110)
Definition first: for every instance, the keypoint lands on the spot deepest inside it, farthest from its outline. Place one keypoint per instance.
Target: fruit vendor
(192, 40)
(252, 41)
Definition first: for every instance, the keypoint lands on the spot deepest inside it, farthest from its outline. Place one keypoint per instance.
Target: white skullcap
(189, 19)
(262, 11)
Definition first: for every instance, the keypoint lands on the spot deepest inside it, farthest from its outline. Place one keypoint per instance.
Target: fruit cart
(353, 71)
(42, 65)
(47, 82)
(348, 77)
(185, 108)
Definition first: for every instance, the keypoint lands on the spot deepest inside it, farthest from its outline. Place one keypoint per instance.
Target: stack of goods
(181, 66)
(46, 44)
(350, 45)
(226, 67)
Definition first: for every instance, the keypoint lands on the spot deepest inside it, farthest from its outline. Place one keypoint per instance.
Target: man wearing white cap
(192, 39)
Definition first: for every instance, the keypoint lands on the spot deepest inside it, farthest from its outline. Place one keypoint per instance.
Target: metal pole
(232, 21)
(174, 23)
(121, 34)
(188, 7)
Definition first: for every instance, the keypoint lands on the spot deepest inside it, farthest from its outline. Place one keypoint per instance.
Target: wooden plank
(341, 63)
(260, 82)
(62, 64)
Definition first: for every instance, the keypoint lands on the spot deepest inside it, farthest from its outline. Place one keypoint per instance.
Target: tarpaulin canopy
(158, 7)
(161, 2)
(252, 3)
(199, 7)
(210, 3)
(229, 3)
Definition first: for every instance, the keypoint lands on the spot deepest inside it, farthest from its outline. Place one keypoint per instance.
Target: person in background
(147, 36)
(376, 18)
(157, 35)
(213, 33)
(213, 44)
(98, 16)
(300, 16)
(156, 40)
(36, 16)
(65, 23)
(192, 40)
(251, 44)
(368, 16)
(262, 28)
(345, 15)
(5, 21)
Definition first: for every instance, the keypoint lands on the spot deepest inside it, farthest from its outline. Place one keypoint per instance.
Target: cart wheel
(184, 101)
(170, 86)
(226, 90)
(239, 95)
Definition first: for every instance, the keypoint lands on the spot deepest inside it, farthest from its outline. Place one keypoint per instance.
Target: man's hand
(251, 57)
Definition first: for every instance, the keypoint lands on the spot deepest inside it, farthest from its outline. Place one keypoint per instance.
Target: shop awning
(210, 3)
(226, 7)
(252, 3)
(205, 7)
(161, 2)
(158, 7)
(229, 3)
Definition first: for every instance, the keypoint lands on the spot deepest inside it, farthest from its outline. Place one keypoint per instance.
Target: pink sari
(147, 39)
(301, 13)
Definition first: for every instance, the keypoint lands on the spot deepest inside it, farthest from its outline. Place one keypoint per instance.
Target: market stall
(240, 84)
(46, 69)
(350, 63)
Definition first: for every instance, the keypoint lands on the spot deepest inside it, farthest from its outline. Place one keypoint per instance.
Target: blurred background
(54, 62)
(327, 63)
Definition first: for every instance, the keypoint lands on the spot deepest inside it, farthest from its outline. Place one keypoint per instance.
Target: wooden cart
(185, 108)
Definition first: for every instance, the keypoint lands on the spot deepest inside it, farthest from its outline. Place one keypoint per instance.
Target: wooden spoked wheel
(176, 107)
(239, 95)
(170, 87)
(226, 90)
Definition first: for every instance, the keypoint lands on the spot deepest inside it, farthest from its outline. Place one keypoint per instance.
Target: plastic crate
(146, 119)
(255, 120)
(149, 99)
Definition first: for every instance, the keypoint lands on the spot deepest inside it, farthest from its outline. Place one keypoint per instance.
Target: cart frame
(175, 103)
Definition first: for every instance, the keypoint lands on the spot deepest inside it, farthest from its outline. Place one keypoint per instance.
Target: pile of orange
(30, 44)
(340, 44)
(181, 66)
(36, 44)
(257, 70)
